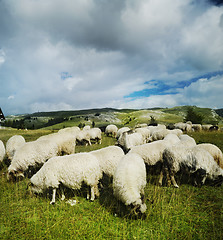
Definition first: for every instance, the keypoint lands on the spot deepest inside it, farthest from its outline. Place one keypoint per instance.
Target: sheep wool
(2, 151)
(108, 158)
(31, 154)
(112, 130)
(70, 170)
(130, 180)
(13, 144)
(214, 151)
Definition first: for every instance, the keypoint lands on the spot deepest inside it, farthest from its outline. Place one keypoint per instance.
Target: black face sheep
(129, 182)
(69, 170)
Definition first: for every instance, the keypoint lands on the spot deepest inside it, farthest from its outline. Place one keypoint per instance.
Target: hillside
(103, 116)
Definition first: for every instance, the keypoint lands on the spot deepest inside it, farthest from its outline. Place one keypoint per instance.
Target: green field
(185, 213)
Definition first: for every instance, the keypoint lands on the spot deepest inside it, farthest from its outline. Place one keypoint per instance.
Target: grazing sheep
(152, 153)
(2, 151)
(72, 130)
(95, 134)
(87, 127)
(196, 127)
(65, 140)
(145, 133)
(31, 154)
(108, 158)
(129, 182)
(156, 128)
(206, 127)
(192, 160)
(111, 130)
(186, 127)
(71, 171)
(122, 130)
(13, 144)
(187, 140)
(214, 151)
(128, 140)
(83, 137)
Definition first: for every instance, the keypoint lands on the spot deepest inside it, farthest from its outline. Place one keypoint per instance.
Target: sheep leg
(54, 196)
(173, 181)
(62, 193)
(92, 194)
(161, 178)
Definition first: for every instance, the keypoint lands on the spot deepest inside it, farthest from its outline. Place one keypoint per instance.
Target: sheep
(156, 128)
(187, 140)
(111, 130)
(2, 151)
(196, 127)
(87, 127)
(65, 140)
(13, 144)
(31, 154)
(108, 158)
(129, 182)
(206, 127)
(214, 151)
(145, 133)
(73, 130)
(152, 153)
(71, 171)
(193, 160)
(186, 127)
(95, 134)
(121, 130)
(83, 137)
(128, 139)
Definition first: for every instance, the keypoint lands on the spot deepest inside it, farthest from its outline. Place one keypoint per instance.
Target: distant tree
(193, 116)
(153, 121)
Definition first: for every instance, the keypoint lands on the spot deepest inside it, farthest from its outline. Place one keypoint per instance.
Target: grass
(185, 213)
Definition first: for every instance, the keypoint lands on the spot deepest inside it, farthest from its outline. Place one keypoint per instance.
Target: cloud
(86, 53)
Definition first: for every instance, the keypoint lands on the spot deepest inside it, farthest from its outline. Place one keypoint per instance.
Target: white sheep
(152, 153)
(2, 151)
(112, 130)
(71, 171)
(129, 182)
(108, 158)
(192, 160)
(206, 127)
(73, 130)
(197, 127)
(214, 151)
(83, 137)
(13, 144)
(121, 130)
(65, 140)
(87, 127)
(186, 127)
(145, 133)
(31, 154)
(95, 134)
(187, 141)
(130, 139)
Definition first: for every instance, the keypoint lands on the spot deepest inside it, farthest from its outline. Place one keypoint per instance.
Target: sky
(81, 54)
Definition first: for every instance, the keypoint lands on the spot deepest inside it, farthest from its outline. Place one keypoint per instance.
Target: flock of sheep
(126, 163)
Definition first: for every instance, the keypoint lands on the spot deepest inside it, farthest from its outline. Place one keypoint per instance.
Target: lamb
(128, 139)
(13, 144)
(71, 171)
(111, 130)
(31, 154)
(129, 182)
(2, 151)
(108, 158)
(152, 153)
(214, 151)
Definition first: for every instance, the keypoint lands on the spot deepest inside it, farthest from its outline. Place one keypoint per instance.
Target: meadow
(185, 213)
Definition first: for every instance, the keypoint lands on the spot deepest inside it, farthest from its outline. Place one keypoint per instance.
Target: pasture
(185, 213)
